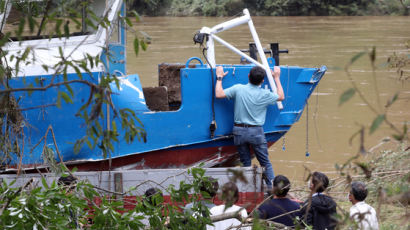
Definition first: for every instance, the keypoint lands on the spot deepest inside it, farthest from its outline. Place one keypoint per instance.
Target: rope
(307, 129)
(287, 90)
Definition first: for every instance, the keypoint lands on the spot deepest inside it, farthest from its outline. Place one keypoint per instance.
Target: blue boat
(176, 118)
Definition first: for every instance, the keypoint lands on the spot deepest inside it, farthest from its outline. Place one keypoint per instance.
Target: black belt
(246, 125)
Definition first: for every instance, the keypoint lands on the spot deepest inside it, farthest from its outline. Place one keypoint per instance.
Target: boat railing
(211, 36)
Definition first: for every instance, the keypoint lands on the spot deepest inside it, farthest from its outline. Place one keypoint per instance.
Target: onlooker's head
(151, 194)
(230, 193)
(358, 192)
(319, 182)
(211, 187)
(69, 182)
(281, 186)
(256, 75)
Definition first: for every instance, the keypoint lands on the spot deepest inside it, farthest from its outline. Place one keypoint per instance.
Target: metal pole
(237, 51)
(263, 57)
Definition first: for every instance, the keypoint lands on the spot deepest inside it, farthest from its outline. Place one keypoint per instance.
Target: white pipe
(240, 53)
(211, 52)
(263, 58)
(231, 23)
(228, 25)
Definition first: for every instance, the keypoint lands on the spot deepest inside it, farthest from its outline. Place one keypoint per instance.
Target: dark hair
(281, 186)
(230, 193)
(358, 190)
(150, 194)
(66, 180)
(319, 181)
(256, 75)
(211, 187)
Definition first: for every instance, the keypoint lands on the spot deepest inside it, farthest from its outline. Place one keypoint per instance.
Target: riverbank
(387, 176)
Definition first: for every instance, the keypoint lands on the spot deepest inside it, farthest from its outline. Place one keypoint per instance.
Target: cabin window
(59, 18)
(167, 96)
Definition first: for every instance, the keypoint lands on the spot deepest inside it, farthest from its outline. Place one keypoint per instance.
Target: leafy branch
(379, 111)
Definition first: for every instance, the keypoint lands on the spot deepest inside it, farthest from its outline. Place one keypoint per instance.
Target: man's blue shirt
(251, 102)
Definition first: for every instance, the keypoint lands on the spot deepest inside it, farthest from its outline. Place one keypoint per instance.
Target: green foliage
(401, 63)
(54, 206)
(36, 19)
(49, 208)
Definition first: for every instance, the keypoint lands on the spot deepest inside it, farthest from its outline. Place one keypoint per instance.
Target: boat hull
(172, 139)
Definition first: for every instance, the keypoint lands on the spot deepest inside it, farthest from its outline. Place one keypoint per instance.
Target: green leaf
(44, 182)
(347, 95)
(400, 137)
(136, 46)
(70, 90)
(355, 57)
(66, 98)
(114, 126)
(31, 23)
(128, 21)
(66, 29)
(58, 102)
(376, 123)
(392, 100)
(20, 27)
(88, 143)
(143, 45)
(78, 145)
(30, 92)
(137, 16)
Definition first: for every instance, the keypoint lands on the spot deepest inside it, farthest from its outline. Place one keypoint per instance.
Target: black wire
(213, 83)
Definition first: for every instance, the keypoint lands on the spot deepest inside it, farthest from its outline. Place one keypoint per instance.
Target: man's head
(211, 187)
(358, 192)
(281, 186)
(256, 75)
(68, 182)
(151, 194)
(319, 182)
(230, 193)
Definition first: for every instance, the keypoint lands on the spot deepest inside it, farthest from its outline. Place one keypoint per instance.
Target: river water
(312, 42)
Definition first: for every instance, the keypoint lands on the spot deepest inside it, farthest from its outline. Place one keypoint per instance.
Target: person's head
(229, 193)
(319, 182)
(151, 194)
(68, 182)
(358, 192)
(211, 187)
(256, 75)
(281, 186)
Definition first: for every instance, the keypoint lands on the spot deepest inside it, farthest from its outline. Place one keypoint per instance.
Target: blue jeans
(246, 137)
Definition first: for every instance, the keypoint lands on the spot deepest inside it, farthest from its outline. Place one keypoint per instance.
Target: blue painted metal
(184, 128)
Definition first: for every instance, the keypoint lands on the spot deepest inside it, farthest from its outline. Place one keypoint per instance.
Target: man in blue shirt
(251, 102)
(280, 209)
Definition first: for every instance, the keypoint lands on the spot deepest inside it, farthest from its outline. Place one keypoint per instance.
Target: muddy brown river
(312, 42)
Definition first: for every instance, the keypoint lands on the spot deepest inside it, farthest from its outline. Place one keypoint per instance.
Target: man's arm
(220, 74)
(279, 89)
